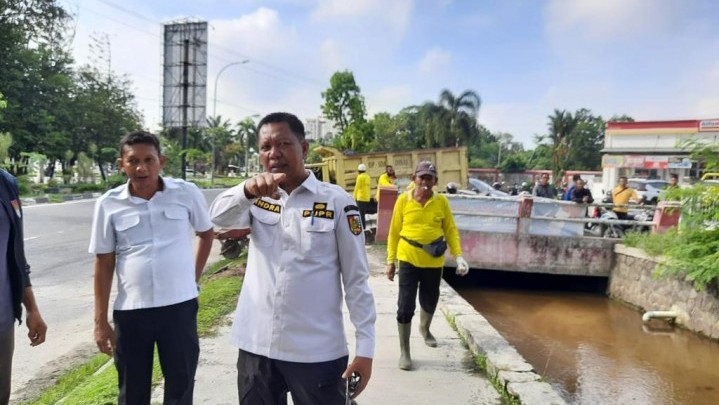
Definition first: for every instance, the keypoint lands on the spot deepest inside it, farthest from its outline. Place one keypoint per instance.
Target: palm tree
(247, 131)
(219, 132)
(561, 129)
(463, 111)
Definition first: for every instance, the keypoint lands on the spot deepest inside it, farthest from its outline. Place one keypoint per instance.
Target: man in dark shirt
(543, 188)
(581, 194)
(568, 194)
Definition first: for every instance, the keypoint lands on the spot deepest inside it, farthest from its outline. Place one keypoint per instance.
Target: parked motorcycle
(617, 231)
(613, 230)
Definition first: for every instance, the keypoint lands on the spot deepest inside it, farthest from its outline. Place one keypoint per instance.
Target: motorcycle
(617, 231)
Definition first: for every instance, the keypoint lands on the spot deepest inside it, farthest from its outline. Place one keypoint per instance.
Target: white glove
(462, 266)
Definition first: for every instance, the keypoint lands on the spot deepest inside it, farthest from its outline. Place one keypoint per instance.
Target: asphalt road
(56, 242)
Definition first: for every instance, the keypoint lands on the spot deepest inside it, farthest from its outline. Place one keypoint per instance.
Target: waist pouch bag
(436, 248)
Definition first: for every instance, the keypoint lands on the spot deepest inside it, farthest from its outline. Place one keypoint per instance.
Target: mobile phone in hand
(352, 385)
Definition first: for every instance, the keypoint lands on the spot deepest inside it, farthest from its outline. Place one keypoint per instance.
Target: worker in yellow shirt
(386, 179)
(362, 192)
(621, 194)
(422, 228)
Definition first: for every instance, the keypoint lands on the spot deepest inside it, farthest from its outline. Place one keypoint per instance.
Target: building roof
(658, 127)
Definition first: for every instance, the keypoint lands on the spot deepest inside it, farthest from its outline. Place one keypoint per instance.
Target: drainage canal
(592, 349)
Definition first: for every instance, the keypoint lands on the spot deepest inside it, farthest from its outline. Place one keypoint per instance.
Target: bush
(23, 184)
(114, 180)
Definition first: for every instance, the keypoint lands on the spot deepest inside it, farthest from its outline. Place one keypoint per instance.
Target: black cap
(425, 167)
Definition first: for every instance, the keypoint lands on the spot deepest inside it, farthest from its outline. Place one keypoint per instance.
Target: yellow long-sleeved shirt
(362, 188)
(422, 224)
(621, 196)
(384, 180)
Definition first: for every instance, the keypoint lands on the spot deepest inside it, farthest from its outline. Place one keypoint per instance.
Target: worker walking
(361, 192)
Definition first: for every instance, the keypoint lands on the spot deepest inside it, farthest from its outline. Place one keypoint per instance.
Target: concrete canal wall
(633, 281)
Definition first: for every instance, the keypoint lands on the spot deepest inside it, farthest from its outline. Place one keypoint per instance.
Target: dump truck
(341, 169)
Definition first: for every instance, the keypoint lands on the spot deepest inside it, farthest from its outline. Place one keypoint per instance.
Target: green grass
(480, 362)
(90, 384)
(218, 182)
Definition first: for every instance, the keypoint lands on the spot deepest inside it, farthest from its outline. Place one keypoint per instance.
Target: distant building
(319, 128)
(653, 149)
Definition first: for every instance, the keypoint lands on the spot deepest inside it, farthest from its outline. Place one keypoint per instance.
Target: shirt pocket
(130, 231)
(264, 227)
(176, 220)
(318, 236)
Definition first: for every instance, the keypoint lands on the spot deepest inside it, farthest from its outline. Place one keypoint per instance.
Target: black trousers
(174, 329)
(265, 381)
(624, 215)
(7, 346)
(363, 208)
(427, 279)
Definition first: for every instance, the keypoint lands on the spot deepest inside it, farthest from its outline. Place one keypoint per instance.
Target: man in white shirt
(306, 246)
(143, 231)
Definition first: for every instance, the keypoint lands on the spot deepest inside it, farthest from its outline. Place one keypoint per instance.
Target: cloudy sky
(650, 59)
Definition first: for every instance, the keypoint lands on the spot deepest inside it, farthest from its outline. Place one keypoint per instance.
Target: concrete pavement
(445, 374)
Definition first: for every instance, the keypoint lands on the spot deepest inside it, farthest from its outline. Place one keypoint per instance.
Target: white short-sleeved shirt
(153, 241)
(306, 249)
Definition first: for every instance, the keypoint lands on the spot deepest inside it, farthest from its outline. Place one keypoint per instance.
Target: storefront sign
(636, 161)
(676, 162)
(612, 161)
(646, 162)
(708, 125)
(656, 162)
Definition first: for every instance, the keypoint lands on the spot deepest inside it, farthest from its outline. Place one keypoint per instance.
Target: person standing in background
(570, 189)
(621, 194)
(580, 194)
(362, 192)
(386, 179)
(15, 288)
(543, 188)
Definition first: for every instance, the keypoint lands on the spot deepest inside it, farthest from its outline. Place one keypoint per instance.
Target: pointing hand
(264, 185)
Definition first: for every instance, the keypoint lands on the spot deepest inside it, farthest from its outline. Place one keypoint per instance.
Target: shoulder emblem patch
(351, 208)
(355, 223)
(276, 208)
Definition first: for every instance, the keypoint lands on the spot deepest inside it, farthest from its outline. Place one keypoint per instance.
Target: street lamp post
(214, 114)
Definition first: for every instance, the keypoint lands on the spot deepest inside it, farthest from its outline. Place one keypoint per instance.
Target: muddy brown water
(596, 351)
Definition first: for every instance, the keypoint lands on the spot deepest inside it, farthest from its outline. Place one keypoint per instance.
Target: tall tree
(35, 66)
(247, 130)
(102, 110)
(588, 141)
(220, 134)
(463, 111)
(561, 125)
(344, 103)
(452, 121)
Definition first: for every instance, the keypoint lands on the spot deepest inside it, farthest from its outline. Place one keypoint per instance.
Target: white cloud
(396, 14)
(389, 99)
(258, 33)
(346, 9)
(602, 20)
(332, 59)
(435, 61)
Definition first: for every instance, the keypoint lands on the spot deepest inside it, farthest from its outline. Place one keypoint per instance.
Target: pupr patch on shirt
(267, 206)
(319, 210)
